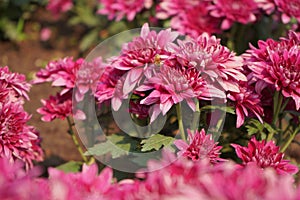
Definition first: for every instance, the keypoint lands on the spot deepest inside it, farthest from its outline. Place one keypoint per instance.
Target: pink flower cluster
(162, 74)
(120, 8)
(182, 179)
(62, 73)
(17, 139)
(276, 64)
(212, 16)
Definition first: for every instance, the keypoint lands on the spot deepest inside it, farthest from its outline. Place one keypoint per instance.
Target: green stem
(196, 117)
(270, 136)
(278, 98)
(74, 138)
(180, 122)
(219, 124)
(286, 145)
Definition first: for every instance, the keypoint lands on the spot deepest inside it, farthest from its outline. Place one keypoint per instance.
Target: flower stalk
(75, 140)
(180, 122)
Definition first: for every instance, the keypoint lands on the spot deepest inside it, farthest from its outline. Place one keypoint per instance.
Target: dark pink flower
(264, 154)
(139, 110)
(247, 102)
(59, 6)
(59, 106)
(120, 8)
(289, 9)
(15, 83)
(242, 11)
(200, 146)
(169, 87)
(17, 139)
(277, 64)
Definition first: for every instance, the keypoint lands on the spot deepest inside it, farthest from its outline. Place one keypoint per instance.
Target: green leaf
(117, 145)
(227, 109)
(255, 126)
(156, 142)
(88, 40)
(71, 166)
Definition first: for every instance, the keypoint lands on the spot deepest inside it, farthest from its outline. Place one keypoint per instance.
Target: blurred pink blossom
(57, 7)
(80, 186)
(242, 11)
(15, 183)
(120, 8)
(289, 9)
(45, 34)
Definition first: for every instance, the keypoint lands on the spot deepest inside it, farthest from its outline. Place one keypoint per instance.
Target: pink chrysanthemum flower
(278, 64)
(87, 77)
(121, 8)
(17, 139)
(149, 47)
(289, 9)
(264, 154)
(61, 73)
(59, 6)
(219, 67)
(15, 83)
(59, 106)
(242, 11)
(107, 84)
(169, 87)
(82, 185)
(139, 57)
(200, 146)
(246, 101)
